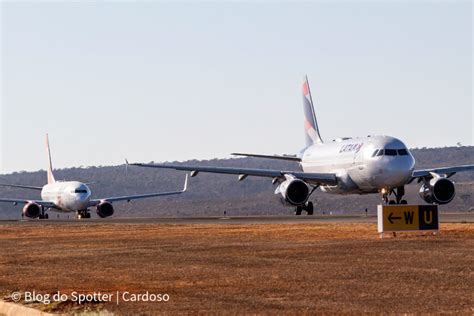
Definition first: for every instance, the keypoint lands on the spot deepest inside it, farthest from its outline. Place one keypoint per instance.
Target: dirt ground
(231, 268)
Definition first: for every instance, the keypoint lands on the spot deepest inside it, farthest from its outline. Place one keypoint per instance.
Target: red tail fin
(50, 164)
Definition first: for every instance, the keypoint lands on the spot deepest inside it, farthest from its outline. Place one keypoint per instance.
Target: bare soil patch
(268, 268)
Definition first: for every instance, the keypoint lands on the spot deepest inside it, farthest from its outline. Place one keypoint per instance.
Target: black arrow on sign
(391, 218)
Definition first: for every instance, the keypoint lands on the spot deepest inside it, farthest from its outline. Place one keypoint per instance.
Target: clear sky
(164, 81)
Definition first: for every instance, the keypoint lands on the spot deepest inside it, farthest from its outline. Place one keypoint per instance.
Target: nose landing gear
(83, 214)
(398, 192)
(308, 207)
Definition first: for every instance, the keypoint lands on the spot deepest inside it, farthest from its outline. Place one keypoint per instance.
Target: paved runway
(444, 218)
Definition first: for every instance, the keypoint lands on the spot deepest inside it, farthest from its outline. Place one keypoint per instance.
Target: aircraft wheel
(391, 202)
(310, 208)
(403, 202)
(88, 215)
(298, 210)
(46, 216)
(40, 216)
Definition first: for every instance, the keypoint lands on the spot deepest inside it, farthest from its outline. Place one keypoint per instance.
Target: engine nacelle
(438, 191)
(105, 209)
(294, 191)
(31, 210)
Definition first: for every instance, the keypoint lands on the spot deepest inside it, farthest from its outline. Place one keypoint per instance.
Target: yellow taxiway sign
(393, 218)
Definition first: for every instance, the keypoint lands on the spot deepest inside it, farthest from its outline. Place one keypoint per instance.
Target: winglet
(185, 184)
(50, 164)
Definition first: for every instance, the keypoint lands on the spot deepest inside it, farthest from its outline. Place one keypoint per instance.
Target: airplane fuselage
(362, 165)
(68, 196)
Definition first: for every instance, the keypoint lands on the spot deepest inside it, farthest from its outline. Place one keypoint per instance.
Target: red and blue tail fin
(310, 124)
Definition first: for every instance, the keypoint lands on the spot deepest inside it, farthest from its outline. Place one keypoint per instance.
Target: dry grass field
(259, 268)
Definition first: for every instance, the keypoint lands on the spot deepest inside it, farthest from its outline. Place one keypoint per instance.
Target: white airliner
(71, 196)
(372, 164)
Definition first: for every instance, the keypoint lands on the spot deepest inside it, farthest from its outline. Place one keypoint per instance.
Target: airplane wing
(23, 201)
(448, 171)
(284, 157)
(318, 178)
(21, 186)
(129, 198)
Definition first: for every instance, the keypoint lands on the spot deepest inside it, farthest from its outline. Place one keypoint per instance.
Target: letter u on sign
(428, 215)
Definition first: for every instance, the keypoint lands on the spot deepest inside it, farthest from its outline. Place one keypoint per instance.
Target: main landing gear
(43, 214)
(308, 207)
(398, 195)
(83, 214)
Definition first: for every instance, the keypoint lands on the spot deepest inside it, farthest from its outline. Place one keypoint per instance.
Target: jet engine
(293, 191)
(105, 209)
(31, 210)
(438, 190)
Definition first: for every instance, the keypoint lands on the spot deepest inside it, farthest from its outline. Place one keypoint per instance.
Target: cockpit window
(390, 152)
(80, 191)
(403, 152)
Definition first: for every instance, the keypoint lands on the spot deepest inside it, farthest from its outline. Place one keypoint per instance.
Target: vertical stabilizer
(50, 164)
(310, 124)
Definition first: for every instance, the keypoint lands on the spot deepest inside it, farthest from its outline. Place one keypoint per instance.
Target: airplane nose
(83, 202)
(392, 172)
(400, 170)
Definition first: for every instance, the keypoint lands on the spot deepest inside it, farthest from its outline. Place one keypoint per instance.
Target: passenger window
(380, 153)
(390, 152)
(403, 152)
(375, 153)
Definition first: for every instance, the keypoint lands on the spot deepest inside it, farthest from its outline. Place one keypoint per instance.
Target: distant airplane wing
(140, 196)
(449, 171)
(284, 157)
(319, 178)
(23, 201)
(21, 186)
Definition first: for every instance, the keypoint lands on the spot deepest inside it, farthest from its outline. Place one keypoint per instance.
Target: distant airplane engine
(294, 191)
(105, 209)
(31, 210)
(438, 190)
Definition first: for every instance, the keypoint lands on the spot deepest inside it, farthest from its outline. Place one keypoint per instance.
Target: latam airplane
(372, 164)
(71, 196)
